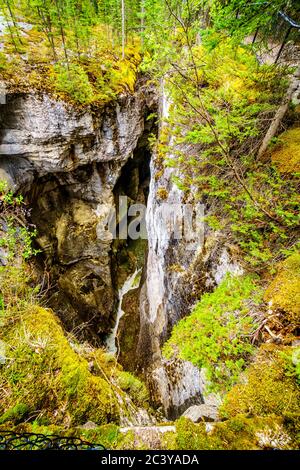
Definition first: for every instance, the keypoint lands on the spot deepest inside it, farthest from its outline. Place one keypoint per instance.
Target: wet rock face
(68, 162)
(66, 212)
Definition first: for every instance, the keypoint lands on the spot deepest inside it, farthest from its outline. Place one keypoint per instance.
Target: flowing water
(131, 283)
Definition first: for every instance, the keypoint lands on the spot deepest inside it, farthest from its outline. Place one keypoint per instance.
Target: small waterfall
(131, 283)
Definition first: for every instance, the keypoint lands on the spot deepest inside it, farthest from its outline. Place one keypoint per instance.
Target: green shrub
(15, 236)
(217, 334)
(74, 81)
(215, 137)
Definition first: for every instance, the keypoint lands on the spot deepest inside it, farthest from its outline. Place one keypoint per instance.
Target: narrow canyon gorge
(149, 225)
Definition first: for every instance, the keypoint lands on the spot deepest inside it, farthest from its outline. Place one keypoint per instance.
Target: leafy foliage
(242, 18)
(217, 334)
(74, 81)
(15, 235)
(215, 119)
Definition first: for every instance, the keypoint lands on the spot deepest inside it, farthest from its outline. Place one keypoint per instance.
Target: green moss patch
(284, 290)
(44, 377)
(269, 386)
(238, 433)
(134, 387)
(286, 154)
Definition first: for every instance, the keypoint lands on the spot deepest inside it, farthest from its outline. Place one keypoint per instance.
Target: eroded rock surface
(69, 162)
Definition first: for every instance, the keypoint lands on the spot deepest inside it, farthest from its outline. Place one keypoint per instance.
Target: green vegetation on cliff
(217, 334)
(71, 50)
(216, 135)
(44, 377)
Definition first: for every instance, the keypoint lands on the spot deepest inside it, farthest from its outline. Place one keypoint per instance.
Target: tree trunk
(123, 28)
(142, 20)
(292, 91)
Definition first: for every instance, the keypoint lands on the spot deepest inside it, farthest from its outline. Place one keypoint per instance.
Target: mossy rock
(190, 436)
(284, 290)
(286, 154)
(269, 386)
(16, 414)
(47, 377)
(238, 433)
(134, 387)
(108, 435)
(243, 433)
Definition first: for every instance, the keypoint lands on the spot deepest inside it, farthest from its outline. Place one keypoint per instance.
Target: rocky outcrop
(176, 385)
(52, 137)
(69, 162)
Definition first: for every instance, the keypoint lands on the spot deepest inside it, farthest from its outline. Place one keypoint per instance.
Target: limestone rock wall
(68, 162)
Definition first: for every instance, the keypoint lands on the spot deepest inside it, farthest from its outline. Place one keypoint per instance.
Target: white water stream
(131, 283)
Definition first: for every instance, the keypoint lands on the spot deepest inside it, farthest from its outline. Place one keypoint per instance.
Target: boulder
(88, 426)
(198, 413)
